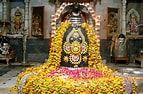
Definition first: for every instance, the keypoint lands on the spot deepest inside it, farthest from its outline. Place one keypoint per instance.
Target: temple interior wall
(35, 44)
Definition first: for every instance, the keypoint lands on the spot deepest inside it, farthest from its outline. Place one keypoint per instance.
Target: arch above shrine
(61, 10)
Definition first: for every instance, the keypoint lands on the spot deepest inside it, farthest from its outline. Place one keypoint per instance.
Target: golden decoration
(66, 59)
(75, 35)
(76, 48)
(75, 66)
(75, 59)
(67, 47)
(84, 58)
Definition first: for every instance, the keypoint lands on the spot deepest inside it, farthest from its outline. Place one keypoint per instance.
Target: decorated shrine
(74, 65)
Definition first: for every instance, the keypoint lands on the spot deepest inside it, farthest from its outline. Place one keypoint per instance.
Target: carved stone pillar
(26, 16)
(26, 28)
(124, 17)
(5, 10)
(30, 19)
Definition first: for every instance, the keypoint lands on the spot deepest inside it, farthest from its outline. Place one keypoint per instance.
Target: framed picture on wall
(112, 21)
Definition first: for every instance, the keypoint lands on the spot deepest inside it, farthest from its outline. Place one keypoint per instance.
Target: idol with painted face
(75, 42)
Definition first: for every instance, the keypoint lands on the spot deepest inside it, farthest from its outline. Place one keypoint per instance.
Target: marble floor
(9, 74)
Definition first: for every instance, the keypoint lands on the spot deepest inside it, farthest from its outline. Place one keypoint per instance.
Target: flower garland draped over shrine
(51, 78)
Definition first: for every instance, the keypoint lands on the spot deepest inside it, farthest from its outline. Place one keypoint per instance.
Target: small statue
(113, 23)
(132, 25)
(36, 26)
(17, 20)
(4, 46)
(118, 46)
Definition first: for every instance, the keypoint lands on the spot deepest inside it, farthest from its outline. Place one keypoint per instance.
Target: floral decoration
(53, 79)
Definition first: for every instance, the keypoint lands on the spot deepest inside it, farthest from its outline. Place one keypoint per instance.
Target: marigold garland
(42, 84)
(94, 59)
(54, 59)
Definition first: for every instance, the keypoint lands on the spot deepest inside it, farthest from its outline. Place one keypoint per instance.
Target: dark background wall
(105, 49)
(16, 3)
(37, 49)
(17, 45)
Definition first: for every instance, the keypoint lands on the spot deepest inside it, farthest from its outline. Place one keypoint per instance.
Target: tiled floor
(8, 79)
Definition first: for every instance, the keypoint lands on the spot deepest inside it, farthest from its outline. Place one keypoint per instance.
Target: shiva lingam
(74, 66)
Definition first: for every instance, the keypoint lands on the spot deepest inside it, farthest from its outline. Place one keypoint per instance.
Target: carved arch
(134, 12)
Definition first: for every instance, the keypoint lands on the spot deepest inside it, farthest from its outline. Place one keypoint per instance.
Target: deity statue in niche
(36, 27)
(132, 24)
(17, 20)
